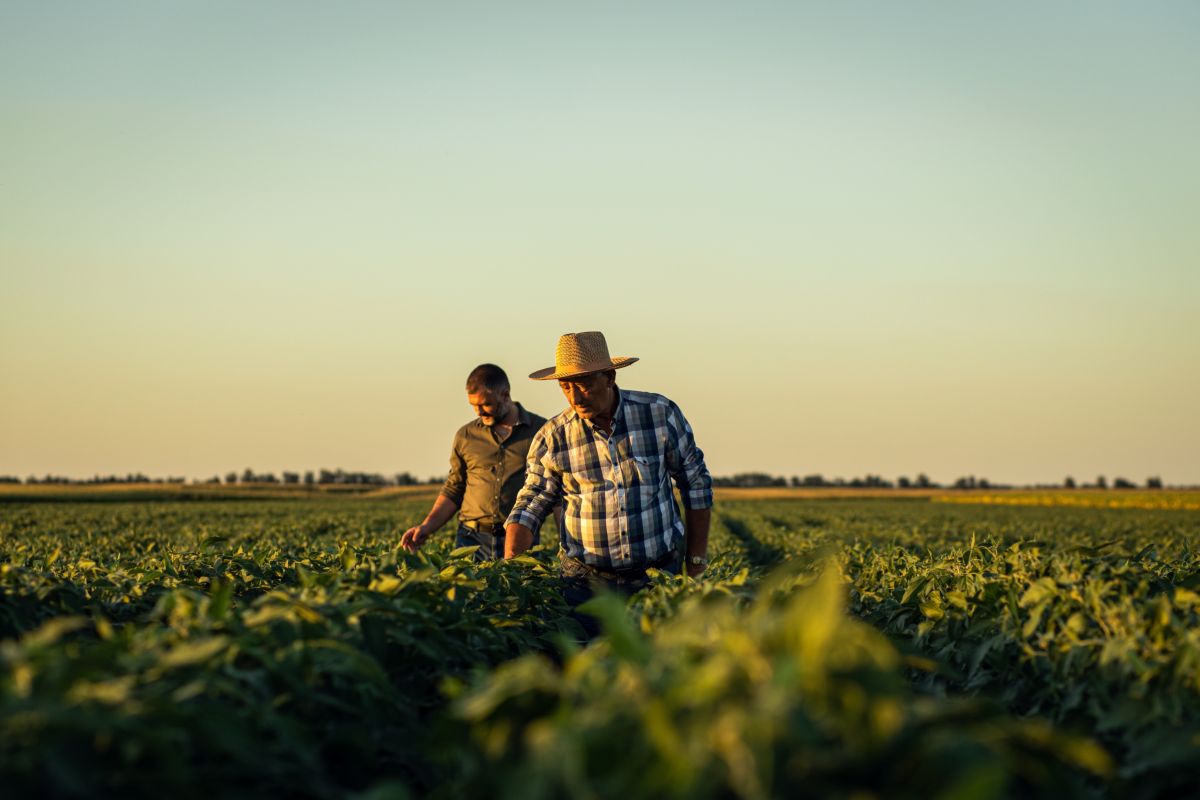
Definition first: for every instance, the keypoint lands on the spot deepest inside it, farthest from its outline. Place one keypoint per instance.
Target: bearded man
(487, 468)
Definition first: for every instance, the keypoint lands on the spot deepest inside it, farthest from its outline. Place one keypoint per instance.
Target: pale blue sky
(846, 238)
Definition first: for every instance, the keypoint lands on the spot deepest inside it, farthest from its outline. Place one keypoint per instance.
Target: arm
(688, 470)
(697, 521)
(517, 539)
(443, 509)
(447, 503)
(538, 497)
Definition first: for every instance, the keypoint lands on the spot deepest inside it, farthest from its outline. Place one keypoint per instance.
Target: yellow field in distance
(1166, 499)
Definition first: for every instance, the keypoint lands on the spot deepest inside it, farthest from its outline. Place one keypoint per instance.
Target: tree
(231, 478)
(1101, 483)
(1122, 483)
(248, 476)
(1154, 483)
(1069, 483)
(291, 477)
(903, 482)
(309, 478)
(923, 481)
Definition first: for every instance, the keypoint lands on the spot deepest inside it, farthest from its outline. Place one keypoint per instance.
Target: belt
(574, 568)
(484, 527)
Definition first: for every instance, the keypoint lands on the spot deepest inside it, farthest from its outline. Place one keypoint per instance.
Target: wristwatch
(698, 560)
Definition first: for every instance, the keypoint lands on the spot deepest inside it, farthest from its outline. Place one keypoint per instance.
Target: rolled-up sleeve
(543, 486)
(455, 487)
(687, 466)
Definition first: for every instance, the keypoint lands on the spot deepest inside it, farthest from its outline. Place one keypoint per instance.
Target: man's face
(590, 395)
(492, 407)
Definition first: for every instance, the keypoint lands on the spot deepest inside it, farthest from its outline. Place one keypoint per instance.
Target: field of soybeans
(236, 646)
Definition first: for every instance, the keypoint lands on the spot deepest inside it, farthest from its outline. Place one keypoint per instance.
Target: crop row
(290, 647)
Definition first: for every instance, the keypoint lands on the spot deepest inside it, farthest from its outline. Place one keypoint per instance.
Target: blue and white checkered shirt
(620, 510)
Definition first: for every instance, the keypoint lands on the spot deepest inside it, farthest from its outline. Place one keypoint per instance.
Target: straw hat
(578, 354)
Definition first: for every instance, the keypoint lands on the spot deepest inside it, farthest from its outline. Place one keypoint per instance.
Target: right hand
(414, 537)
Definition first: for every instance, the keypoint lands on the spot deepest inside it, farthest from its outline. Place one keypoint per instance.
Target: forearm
(517, 539)
(697, 521)
(443, 509)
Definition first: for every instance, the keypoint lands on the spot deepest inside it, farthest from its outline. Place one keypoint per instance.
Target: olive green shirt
(485, 473)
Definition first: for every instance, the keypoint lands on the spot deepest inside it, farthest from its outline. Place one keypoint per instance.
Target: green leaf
(626, 642)
(191, 653)
(212, 542)
(913, 587)
(1041, 589)
(221, 596)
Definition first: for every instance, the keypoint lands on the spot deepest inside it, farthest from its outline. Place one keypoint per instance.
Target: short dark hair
(489, 377)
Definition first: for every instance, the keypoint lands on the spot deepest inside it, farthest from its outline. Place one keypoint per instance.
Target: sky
(846, 238)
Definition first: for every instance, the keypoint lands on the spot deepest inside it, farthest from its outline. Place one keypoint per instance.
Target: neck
(511, 417)
(606, 422)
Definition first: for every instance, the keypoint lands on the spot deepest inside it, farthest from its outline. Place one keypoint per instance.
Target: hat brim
(552, 373)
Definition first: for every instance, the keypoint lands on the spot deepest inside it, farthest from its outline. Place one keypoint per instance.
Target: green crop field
(841, 647)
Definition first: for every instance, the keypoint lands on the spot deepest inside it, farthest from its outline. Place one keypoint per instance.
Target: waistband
(484, 527)
(574, 568)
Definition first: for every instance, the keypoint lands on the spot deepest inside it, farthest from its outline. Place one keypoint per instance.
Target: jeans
(491, 547)
(581, 583)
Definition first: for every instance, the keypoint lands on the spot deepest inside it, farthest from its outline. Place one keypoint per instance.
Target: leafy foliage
(289, 647)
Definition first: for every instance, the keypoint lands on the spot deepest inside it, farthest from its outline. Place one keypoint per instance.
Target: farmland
(836, 647)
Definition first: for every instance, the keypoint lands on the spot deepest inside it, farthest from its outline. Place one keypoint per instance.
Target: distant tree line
(326, 477)
(752, 480)
(323, 477)
(132, 477)
(757, 480)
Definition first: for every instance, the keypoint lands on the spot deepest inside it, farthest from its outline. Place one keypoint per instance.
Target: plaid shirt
(620, 510)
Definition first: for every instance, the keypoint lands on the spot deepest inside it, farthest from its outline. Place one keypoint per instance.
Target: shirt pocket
(648, 471)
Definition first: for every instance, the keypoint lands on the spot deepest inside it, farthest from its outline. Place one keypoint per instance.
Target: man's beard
(491, 421)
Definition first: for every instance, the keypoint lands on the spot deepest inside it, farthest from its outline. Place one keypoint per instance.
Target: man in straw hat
(612, 456)
(487, 468)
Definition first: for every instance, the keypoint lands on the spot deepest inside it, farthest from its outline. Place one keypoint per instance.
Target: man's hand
(517, 539)
(414, 537)
(443, 509)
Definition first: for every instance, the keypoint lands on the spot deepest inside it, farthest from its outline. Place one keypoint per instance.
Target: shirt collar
(523, 417)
